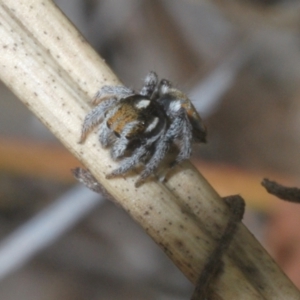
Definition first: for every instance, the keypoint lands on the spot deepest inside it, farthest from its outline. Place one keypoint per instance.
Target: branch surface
(55, 73)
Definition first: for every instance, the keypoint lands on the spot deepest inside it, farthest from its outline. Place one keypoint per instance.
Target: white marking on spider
(142, 104)
(175, 105)
(152, 125)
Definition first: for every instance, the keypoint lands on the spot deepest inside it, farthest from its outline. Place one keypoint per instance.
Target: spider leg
(159, 154)
(163, 146)
(104, 135)
(95, 116)
(119, 148)
(130, 162)
(149, 84)
(118, 91)
(186, 141)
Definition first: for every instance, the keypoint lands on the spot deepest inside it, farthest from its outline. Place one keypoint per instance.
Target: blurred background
(239, 61)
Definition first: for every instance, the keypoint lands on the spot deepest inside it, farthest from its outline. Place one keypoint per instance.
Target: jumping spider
(141, 127)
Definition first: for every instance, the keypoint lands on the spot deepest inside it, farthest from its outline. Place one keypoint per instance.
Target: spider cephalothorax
(141, 127)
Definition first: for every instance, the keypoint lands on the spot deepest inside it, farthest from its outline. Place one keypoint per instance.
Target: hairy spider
(141, 127)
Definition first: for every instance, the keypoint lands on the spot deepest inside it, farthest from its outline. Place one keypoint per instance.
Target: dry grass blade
(48, 65)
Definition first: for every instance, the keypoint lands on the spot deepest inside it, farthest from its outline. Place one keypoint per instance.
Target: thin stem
(54, 72)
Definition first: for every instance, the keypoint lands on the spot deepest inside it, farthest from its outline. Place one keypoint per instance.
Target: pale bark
(55, 73)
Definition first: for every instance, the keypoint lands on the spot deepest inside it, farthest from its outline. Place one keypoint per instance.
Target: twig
(49, 66)
(291, 194)
(212, 269)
